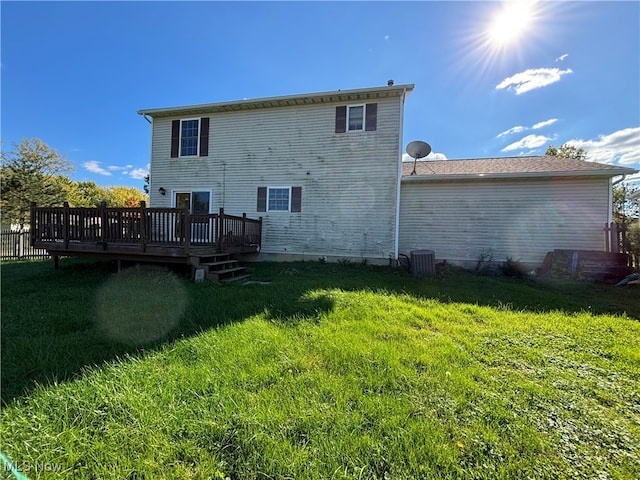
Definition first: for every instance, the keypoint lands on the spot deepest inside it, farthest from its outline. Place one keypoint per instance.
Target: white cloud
(621, 147)
(562, 57)
(117, 168)
(546, 123)
(529, 142)
(531, 79)
(94, 167)
(138, 173)
(386, 37)
(516, 129)
(431, 156)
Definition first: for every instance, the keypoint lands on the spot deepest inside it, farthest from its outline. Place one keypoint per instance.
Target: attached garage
(521, 207)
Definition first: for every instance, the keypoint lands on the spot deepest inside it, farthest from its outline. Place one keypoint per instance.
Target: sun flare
(510, 22)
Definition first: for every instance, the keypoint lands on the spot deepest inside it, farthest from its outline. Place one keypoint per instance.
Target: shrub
(513, 268)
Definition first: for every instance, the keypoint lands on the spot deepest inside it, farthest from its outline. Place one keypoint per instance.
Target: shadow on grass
(58, 324)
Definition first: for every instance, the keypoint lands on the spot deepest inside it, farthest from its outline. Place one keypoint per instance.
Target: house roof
(508, 167)
(361, 94)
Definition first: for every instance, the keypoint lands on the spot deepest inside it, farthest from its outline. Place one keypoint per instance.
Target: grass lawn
(325, 372)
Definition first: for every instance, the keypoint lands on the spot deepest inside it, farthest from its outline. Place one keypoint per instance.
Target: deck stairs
(219, 267)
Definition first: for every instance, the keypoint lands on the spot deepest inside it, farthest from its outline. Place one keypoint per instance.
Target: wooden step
(217, 264)
(228, 271)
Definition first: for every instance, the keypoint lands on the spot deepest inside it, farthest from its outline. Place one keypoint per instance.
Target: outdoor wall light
(162, 191)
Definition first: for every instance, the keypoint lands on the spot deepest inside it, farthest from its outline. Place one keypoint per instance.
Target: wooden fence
(617, 241)
(16, 246)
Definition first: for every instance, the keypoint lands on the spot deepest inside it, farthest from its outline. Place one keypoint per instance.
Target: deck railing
(173, 227)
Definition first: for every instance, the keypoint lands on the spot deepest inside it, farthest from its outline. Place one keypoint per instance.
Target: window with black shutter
(354, 118)
(279, 199)
(190, 137)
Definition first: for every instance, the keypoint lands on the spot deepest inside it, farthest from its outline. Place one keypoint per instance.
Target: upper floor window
(190, 137)
(357, 118)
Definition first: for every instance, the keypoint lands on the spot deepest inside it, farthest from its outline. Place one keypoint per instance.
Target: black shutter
(175, 138)
(341, 119)
(204, 136)
(371, 120)
(262, 199)
(296, 199)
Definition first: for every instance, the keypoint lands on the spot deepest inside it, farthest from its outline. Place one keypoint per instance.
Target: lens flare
(140, 306)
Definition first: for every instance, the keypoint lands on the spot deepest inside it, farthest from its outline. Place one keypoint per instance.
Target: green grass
(329, 371)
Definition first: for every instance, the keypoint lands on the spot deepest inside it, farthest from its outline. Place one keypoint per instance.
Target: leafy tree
(128, 197)
(567, 151)
(624, 209)
(28, 174)
(81, 194)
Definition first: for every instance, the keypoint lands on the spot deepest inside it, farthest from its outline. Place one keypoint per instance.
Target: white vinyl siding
(521, 219)
(348, 182)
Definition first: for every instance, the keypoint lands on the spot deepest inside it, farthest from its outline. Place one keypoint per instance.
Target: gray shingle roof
(511, 167)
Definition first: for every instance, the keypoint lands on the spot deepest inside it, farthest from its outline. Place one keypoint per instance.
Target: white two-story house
(325, 173)
(321, 169)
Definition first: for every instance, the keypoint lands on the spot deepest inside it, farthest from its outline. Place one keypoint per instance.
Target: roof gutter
(621, 179)
(514, 175)
(396, 239)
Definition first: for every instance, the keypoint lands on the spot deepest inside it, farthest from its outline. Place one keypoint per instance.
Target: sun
(510, 22)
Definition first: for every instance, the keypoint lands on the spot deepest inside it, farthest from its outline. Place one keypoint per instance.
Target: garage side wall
(520, 219)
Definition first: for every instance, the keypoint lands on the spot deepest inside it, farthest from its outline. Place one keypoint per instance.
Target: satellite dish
(418, 149)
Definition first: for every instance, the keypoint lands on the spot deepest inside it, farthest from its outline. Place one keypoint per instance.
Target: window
(190, 137)
(279, 199)
(355, 118)
(195, 202)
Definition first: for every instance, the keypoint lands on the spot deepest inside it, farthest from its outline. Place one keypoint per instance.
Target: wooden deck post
(66, 226)
(103, 223)
(244, 229)
(221, 229)
(143, 229)
(187, 228)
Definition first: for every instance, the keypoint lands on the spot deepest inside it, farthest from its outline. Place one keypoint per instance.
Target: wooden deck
(159, 235)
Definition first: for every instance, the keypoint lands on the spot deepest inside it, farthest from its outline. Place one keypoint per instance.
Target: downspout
(400, 149)
(150, 121)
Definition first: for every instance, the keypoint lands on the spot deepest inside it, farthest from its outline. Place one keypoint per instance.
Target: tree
(128, 197)
(28, 174)
(625, 210)
(566, 151)
(81, 194)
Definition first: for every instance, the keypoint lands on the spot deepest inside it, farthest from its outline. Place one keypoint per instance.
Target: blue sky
(75, 73)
